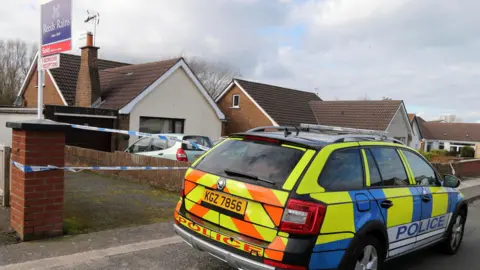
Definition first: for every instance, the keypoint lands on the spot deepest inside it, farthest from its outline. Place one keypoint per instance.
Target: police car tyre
(365, 253)
(454, 234)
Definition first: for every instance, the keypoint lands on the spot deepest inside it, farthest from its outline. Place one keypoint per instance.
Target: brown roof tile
(469, 132)
(364, 114)
(121, 85)
(423, 129)
(66, 75)
(286, 106)
(411, 117)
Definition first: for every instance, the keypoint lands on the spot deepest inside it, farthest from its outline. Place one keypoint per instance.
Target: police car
(317, 197)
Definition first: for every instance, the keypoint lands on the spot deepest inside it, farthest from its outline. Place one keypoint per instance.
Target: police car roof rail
(359, 138)
(285, 129)
(349, 134)
(343, 130)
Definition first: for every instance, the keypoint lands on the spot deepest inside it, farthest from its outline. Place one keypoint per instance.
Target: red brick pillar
(37, 197)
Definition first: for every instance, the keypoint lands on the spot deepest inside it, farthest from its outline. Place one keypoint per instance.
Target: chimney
(88, 82)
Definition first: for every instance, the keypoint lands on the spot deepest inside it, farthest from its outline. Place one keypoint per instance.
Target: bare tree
(15, 59)
(214, 76)
(366, 97)
(450, 118)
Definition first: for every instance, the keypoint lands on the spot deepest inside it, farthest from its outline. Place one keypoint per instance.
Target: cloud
(423, 52)
(137, 31)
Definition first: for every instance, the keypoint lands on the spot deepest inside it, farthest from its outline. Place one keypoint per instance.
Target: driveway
(95, 202)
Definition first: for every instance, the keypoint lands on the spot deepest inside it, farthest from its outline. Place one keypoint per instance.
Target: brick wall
(463, 169)
(244, 118)
(169, 180)
(50, 93)
(467, 168)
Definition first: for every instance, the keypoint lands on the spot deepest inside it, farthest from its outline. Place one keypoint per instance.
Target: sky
(425, 52)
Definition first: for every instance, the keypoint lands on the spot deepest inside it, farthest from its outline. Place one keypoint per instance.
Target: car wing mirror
(451, 181)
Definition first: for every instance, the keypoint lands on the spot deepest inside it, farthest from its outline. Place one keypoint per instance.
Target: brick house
(248, 104)
(60, 84)
(156, 97)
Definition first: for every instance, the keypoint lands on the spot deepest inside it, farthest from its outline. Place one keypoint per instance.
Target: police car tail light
(302, 217)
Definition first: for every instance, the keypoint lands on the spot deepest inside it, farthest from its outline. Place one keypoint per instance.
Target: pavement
(155, 246)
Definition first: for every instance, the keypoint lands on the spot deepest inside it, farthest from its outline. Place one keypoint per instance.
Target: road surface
(173, 254)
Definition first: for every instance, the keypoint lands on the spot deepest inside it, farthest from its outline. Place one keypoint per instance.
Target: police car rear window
(267, 161)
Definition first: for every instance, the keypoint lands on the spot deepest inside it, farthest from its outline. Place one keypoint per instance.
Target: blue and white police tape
(28, 168)
(141, 134)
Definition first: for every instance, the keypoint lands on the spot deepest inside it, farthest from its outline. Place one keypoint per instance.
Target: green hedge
(467, 151)
(427, 155)
(439, 152)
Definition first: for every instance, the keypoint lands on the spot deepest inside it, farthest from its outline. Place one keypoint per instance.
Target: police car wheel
(367, 254)
(454, 234)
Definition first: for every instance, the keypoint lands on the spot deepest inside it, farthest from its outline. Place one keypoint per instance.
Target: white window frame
(233, 101)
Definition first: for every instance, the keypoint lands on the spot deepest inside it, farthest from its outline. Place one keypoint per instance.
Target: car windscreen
(200, 140)
(244, 160)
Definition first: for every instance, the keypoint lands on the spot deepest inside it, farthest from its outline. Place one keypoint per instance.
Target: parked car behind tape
(170, 149)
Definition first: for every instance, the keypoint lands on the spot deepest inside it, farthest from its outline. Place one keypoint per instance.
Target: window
(267, 161)
(390, 166)
(441, 146)
(158, 144)
(161, 125)
(236, 101)
(139, 146)
(343, 171)
(375, 178)
(423, 173)
(205, 141)
(429, 146)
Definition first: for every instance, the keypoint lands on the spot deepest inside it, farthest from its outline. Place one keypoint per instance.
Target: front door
(435, 203)
(399, 201)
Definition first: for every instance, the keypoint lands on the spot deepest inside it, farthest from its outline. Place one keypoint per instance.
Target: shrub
(439, 152)
(452, 153)
(467, 151)
(427, 155)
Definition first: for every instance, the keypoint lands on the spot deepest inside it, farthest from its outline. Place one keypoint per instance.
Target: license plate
(225, 201)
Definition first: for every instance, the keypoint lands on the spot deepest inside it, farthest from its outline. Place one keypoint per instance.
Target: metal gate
(5, 175)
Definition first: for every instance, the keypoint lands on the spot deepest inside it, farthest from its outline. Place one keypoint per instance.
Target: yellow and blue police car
(318, 197)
